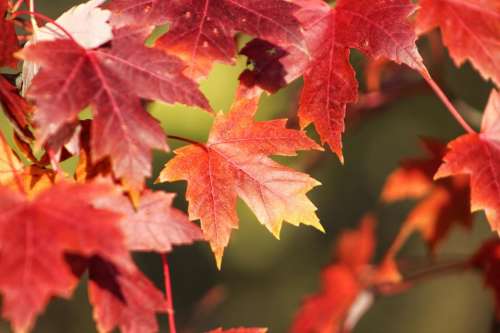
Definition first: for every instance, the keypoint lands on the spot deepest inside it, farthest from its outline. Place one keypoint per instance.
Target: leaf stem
(410, 280)
(46, 19)
(442, 96)
(34, 24)
(17, 5)
(168, 294)
(193, 142)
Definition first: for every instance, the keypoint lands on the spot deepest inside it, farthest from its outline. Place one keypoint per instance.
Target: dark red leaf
(35, 234)
(378, 28)
(15, 106)
(112, 80)
(203, 31)
(124, 299)
(8, 38)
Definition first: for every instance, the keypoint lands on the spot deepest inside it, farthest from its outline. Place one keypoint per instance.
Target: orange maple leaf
(443, 203)
(234, 162)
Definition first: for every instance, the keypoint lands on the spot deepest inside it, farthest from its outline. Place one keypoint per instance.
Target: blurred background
(263, 280)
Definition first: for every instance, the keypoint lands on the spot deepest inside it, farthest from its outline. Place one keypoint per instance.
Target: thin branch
(34, 24)
(193, 142)
(46, 19)
(442, 96)
(434, 271)
(17, 5)
(168, 294)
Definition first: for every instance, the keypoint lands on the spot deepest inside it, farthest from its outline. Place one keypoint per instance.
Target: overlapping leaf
(96, 32)
(443, 203)
(342, 284)
(14, 106)
(154, 225)
(202, 31)
(470, 30)
(35, 234)
(10, 165)
(124, 299)
(235, 162)
(378, 28)
(111, 80)
(478, 155)
(8, 38)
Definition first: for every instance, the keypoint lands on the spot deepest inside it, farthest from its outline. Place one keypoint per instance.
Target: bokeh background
(263, 280)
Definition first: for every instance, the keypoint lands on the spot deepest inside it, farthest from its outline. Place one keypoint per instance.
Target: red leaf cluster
(343, 283)
(112, 80)
(378, 28)
(8, 38)
(443, 203)
(55, 227)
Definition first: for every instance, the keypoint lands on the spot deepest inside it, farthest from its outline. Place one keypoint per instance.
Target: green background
(263, 281)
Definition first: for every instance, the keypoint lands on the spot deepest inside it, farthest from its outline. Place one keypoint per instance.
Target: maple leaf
(342, 285)
(443, 203)
(239, 330)
(121, 298)
(88, 25)
(478, 155)
(10, 165)
(234, 163)
(31, 179)
(378, 28)
(111, 80)
(487, 260)
(203, 31)
(154, 225)
(15, 107)
(35, 234)
(470, 30)
(143, 13)
(8, 38)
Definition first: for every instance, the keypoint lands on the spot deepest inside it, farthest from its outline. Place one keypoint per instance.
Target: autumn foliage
(108, 58)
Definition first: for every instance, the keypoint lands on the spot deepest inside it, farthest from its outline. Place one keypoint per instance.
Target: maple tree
(108, 58)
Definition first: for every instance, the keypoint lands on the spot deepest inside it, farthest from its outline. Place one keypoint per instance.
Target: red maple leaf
(378, 28)
(154, 225)
(10, 165)
(470, 29)
(8, 38)
(121, 298)
(341, 284)
(443, 203)
(15, 106)
(36, 233)
(112, 80)
(203, 31)
(234, 163)
(478, 155)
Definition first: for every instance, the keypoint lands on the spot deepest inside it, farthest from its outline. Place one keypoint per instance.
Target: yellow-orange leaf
(235, 163)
